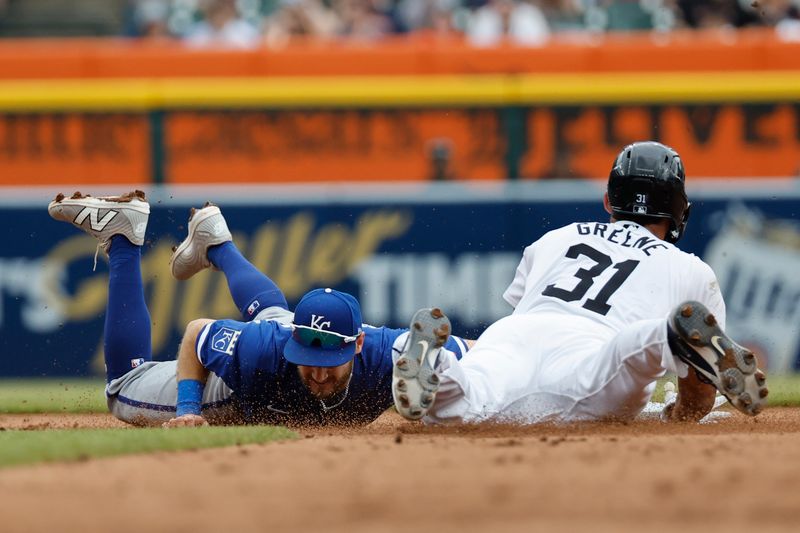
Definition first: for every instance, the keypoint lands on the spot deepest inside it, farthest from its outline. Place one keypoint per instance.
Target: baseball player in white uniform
(601, 311)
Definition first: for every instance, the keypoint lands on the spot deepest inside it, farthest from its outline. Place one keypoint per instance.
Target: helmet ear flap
(676, 232)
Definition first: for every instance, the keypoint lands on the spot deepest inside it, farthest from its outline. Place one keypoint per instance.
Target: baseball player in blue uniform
(319, 365)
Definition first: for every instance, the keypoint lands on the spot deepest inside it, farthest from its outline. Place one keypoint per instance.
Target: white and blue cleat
(414, 378)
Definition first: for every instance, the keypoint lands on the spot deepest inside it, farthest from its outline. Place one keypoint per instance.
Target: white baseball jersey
(612, 274)
(588, 335)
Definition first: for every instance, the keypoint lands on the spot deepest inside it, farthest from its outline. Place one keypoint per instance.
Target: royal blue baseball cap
(324, 330)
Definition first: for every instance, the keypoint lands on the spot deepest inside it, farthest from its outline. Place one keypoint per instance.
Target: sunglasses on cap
(311, 337)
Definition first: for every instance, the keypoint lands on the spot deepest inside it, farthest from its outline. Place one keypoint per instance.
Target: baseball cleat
(104, 216)
(207, 227)
(414, 378)
(698, 340)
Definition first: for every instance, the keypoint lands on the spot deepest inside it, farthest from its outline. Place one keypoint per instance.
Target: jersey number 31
(598, 304)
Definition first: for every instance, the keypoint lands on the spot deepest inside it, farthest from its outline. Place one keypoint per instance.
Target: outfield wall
(106, 111)
(397, 247)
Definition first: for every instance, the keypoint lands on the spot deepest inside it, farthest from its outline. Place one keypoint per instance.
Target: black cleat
(697, 339)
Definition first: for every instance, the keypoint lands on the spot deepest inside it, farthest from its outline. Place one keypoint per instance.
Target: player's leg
(139, 391)
(618, 379)
(119, 223)
(621, 376)
(532, 368)
(502, 368)
(209, 243)
(126, 336)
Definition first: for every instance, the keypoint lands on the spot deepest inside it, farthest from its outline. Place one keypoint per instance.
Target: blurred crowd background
(254, 23)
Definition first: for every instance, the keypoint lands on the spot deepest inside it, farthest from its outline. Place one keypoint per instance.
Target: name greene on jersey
(621, 236)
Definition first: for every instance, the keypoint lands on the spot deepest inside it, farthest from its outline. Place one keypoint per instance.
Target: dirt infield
(736, 475)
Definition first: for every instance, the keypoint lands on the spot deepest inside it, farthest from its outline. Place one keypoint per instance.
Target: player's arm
(516, 290)
(694, 401)
(192, 376)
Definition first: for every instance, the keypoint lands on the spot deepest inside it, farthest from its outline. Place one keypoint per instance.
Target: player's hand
(185, 421)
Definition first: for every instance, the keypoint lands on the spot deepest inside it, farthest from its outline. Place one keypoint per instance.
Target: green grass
(87, 396)
(26, 447)
(52, 396)
(784, 390)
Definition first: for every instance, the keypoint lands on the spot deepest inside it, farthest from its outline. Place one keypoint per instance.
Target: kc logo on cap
(317, 323)
(326, 325)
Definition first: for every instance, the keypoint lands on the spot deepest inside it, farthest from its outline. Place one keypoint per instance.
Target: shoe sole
(195, 219)
(414, 379)
(731, 368)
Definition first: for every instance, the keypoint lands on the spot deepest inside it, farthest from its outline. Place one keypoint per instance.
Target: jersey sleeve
(516, 290)
(711, 295)
(232, 349)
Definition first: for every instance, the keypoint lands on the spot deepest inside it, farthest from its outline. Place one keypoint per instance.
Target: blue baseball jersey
(248, 357)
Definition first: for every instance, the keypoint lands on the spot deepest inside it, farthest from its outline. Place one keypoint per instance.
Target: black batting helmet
(647, 182)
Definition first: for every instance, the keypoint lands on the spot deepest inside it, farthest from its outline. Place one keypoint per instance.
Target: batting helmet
(647, 182)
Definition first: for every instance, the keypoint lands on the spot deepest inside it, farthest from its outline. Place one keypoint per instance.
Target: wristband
(190, 396)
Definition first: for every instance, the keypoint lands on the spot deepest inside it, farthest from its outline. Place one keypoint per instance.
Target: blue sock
(252, 290)
(126, 339)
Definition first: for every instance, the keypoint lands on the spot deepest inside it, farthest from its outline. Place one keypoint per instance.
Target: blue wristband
(190, 397)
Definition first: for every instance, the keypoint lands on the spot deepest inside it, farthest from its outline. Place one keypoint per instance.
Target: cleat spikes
(745, 399)
(729, 353)
(60, 196)
(700, 342)
(414, 376)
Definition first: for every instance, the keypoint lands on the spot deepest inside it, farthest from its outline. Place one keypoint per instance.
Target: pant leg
(619, 381)
(503, 367)
(148, 394)
(538, 367)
